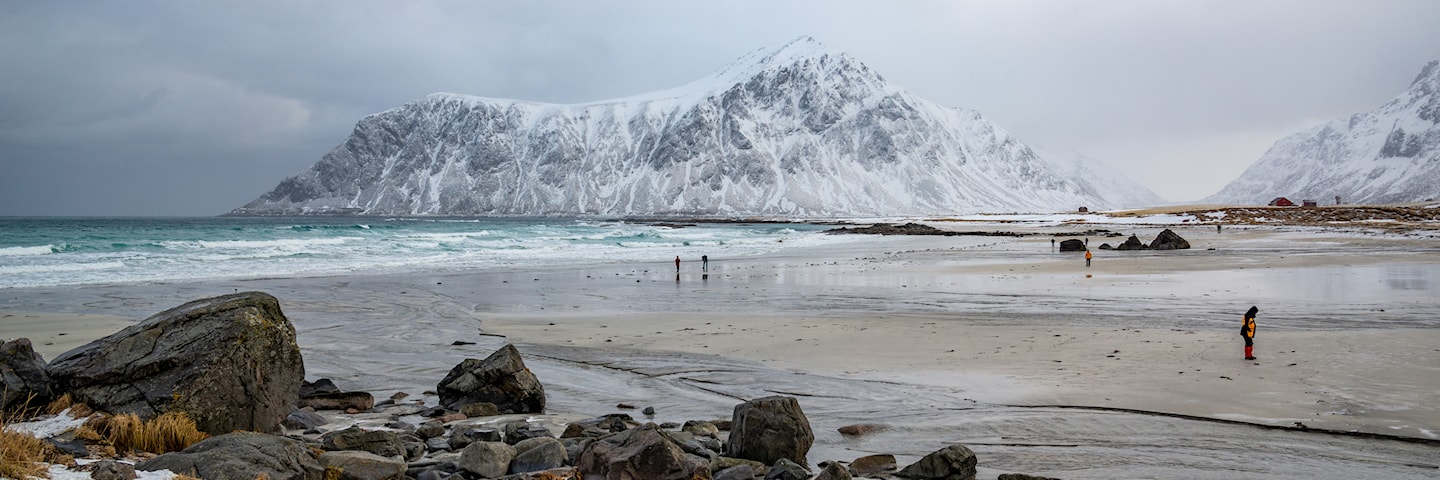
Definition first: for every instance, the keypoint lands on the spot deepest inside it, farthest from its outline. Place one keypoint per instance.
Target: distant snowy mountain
(1389, 155)
(798, 130)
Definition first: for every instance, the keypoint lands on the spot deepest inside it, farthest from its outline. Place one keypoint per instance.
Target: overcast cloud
(195, 108)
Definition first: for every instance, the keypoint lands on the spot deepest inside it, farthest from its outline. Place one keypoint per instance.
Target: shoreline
(908, 332)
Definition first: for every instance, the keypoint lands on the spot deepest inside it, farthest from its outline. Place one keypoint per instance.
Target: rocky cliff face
(799, 130)
(1389, 155)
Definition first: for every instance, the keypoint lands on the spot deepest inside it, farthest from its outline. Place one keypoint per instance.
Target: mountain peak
(1430, 74)
(795, 51)
(793, 130)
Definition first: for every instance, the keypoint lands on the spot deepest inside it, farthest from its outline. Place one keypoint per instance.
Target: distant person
(1052, 244)
(1217, 228)
(1087, 258)
(704, 263)
(1247, 331)
(677, 263)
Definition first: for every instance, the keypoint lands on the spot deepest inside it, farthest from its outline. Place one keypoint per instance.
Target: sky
(183, 108)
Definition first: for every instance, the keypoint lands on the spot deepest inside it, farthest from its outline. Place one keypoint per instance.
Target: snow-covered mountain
(798, 130)
(1389, 155)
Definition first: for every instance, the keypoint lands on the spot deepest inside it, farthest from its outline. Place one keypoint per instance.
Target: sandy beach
(1040, 364)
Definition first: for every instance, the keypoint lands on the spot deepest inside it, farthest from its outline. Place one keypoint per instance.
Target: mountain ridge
(799, 130)
(1388, 155)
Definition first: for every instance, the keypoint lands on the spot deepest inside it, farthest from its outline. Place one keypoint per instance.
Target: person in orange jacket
(1087, 257)
(1247, 331)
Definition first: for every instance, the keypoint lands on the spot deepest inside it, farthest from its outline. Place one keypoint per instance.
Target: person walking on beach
(1247, 331)
(677, 263)
(1087, 258)
(704, 263)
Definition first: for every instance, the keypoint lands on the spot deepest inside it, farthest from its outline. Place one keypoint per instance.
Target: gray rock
(465, 436)
(834, 471)
(229, 363)
(768, 429)
(431, 475)
(357, 465)
(501, 379)
(1022, 476)
(516, 432)
(738, 472)
(955, 462)
(379, 442)
(487, 459)
(24, 382)
(643, 452)
(872, 464)
(113, 470)
(784, 469)
(321, 386)
(615, 422)
(241, 456)
(1132, 243)
(302, 419)
(339, 401)
(536, 454)
(1169, 240)
(480, 409)
(430, 429)
(701, 428)
(563, 473)
(437, 444)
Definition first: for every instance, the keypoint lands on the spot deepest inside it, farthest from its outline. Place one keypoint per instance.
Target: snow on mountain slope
(1389, 155)
(798, 130)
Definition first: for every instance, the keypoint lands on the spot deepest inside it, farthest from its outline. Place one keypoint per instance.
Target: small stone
(860, 429)
(872, 464)
(113, 470)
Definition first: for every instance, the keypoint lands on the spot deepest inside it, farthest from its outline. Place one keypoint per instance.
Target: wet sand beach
(1036, 362)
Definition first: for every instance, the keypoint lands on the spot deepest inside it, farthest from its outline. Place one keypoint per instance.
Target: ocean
(42, 252)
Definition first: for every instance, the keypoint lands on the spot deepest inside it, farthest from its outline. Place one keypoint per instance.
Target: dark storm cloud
(194, 108)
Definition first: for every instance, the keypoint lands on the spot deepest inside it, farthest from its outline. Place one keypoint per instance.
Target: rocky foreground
(231, 366)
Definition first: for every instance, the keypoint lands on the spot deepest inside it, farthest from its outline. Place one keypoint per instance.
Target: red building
(1281, 202)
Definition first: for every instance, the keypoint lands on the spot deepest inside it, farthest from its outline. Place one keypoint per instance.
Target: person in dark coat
(1247, 331)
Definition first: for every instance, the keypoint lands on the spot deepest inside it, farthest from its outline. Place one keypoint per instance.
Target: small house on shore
(1309, 203)
(1281, 202)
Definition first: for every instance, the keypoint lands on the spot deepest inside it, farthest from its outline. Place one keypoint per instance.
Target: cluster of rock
(912, 229)
(232, 364)
(1166, 240)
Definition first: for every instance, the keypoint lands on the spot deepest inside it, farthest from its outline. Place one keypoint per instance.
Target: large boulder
(1168, 240)
(642, 452)
(24, 383)
(768, 429)
(536, 454)
(501, 379)
(380, 442)
(241, 456)
(1133, 243)
(955, 462)
(1072, 245)
(228, 362)
(358, 465)
(487, 459)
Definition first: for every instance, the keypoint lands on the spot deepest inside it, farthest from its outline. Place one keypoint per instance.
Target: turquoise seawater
(38, 252)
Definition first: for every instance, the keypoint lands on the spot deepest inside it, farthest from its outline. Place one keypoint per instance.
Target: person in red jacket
(1247, 331)
(677, 263)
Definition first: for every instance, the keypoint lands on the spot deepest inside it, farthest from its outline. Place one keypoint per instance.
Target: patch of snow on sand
(49, 427)
(59, 472)
(1072, 218)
